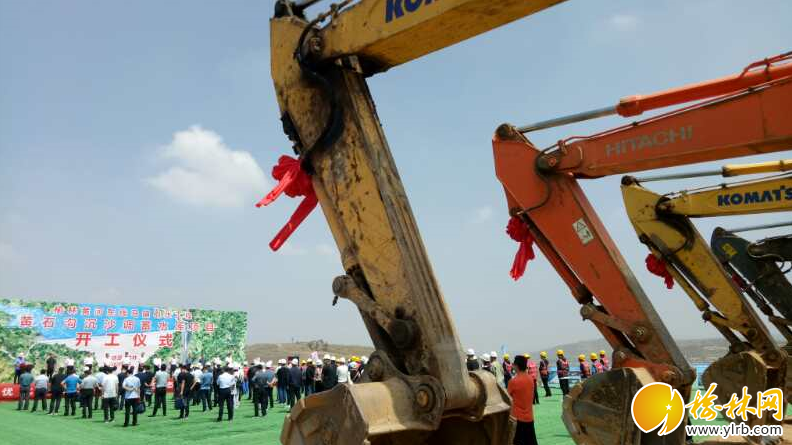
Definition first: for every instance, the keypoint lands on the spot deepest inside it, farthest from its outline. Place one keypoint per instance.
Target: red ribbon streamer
(293, 181)
(657, 266)
(518, 231)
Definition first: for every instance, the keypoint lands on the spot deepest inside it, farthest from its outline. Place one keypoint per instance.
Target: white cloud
(624, 21)
(208, 173)
(482, 214)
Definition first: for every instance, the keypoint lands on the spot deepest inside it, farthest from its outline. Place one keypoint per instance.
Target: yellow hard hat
(506, 356)
(582, 357)
(543, 354)
(602, 352)
(560, 352)
(527, 355)
(593, 355)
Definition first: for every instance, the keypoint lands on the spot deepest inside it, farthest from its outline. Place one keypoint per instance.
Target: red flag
(293, 181)
(518, 231)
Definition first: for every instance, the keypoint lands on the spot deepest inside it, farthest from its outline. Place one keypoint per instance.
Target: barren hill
(695, 350)
(275, 351)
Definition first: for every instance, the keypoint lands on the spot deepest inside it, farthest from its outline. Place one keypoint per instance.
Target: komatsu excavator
(663, 224)
(743, 114)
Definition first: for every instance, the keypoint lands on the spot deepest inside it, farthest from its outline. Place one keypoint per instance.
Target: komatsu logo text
(756, 197)
(657, 139)
(395, 9)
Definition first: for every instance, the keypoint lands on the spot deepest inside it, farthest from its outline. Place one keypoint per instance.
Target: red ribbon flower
(658, 267)
(293, 181)
(518, 231)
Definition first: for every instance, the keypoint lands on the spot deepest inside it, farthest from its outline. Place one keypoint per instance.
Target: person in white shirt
(225, 382)
(235, 389)
(160, 384)
(109, 387)
(196, 372)
(342, 371)
(100, 376)
(131, 387)
(87, 390)
(88, 362)
(40, 385)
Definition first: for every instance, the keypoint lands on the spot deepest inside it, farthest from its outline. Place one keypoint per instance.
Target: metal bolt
(315, 45)
(424, 398)
(640, 333)
(586, 311)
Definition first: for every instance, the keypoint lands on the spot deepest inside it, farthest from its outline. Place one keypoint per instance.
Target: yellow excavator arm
(663, 224)
(418, 389)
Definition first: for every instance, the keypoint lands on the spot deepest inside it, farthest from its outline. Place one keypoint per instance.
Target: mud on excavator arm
(419, 389)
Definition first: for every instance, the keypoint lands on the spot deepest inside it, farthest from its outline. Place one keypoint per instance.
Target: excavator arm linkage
(541, 189)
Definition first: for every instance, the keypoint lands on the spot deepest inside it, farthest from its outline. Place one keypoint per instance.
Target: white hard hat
(342, 360)
(485, 357)
(245, 363)
(269, 364)
(493, 354)
(333, 358)
(295, 361)
(471, 352)
(326, 357)
(364, 359)
(86, 369)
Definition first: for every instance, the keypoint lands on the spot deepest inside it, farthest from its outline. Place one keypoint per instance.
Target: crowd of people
(519, 378)
(221, 385)
(212, 384)
(504, 369)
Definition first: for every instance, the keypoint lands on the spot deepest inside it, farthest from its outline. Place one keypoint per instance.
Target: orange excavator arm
(749, 114)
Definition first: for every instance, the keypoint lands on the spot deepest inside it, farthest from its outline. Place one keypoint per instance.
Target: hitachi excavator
(417, 389)
(663, 224)
(743, 114)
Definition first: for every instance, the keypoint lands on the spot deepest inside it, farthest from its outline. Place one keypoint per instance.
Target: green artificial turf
(26, 428)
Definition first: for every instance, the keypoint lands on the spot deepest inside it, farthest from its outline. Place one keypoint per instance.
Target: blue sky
(136, 137)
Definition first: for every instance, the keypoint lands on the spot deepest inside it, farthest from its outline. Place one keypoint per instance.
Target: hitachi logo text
(658, 139)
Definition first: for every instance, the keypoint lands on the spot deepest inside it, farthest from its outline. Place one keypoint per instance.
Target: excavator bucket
(597, 411)
(743, 369)
(399, 410)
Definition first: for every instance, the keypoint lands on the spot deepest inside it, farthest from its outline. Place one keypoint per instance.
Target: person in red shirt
(521, 390)
(604, 361)
(585, 371)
